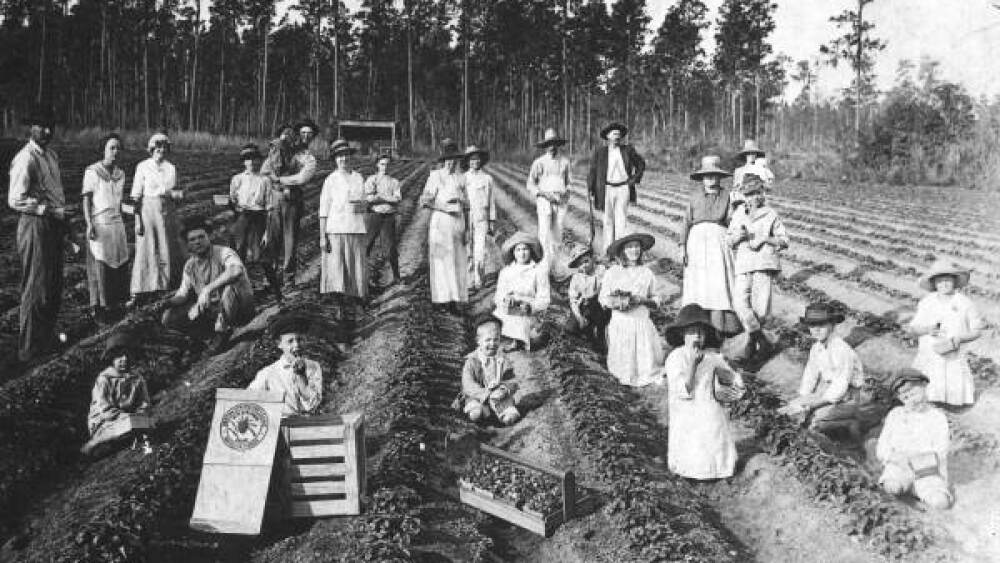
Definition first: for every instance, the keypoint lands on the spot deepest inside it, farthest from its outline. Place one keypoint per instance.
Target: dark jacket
(597, 180)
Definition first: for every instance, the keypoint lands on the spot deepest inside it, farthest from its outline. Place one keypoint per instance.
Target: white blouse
(339, 190)
(481, 203)
(106, 190)
(153, 180)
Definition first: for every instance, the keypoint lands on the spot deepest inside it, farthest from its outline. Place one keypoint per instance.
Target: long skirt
(158, 256)
(449, 258)
(710, 278)
(517, 327)
(344, 270)
(249, 232)
(701, 445)
(949, 377)
(39, 244)
(635, 353)
(108, 285)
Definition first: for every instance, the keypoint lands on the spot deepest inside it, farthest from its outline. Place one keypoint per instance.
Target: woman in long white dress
(107, 245)
(701, 444)
(445, 195)
(635, 352)
(522, 290)
(946, 322)
(343, 268)
(158, 256)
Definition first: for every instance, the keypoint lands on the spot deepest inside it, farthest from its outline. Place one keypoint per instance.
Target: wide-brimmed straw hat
(483, 319)
(288, 324)
(904, 376)
(340, 146)
(611, 127)
(40, 115)
(820, 314)
(521, 238)
(155, 139)
(944, 268)
(473, 150)
(750, 147)
(250, 151)
(550, 138)
(450, 150)
(578, 253)
(307, 122)
(690, 315)
(710, 164)
(118, 342)
(615, 248)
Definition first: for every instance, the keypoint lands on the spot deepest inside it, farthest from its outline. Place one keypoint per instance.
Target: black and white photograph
(449, 281)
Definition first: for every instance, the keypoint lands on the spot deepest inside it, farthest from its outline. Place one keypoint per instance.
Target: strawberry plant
(514, 483)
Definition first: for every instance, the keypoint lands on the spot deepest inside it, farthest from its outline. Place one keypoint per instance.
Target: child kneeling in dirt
(483, 387)
(913, 445)
(590, 318)
(300, 378)
(118, 392)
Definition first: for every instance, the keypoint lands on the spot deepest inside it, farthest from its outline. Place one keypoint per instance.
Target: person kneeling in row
(589, 317)
(118, 392)
(484, 388)
(522, 290)
(215, 290)
(300, 378)
(913, 445)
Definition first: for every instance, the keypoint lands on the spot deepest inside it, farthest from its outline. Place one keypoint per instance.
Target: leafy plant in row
(516, 484)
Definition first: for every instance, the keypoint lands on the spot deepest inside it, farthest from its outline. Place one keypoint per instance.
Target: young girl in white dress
(446, 196)
(701, 444)
(635, 352)
(946, 322)
(522, 290)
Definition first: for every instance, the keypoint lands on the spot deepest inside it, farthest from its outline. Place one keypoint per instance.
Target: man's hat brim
(611, 127)
(557, 141)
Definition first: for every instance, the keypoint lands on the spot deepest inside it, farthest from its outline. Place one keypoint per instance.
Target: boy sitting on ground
(118, 392)
(589, 317)
(300, 378)
(483, 387)
(913, 445)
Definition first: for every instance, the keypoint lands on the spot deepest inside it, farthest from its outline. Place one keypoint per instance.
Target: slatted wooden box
(541, 524)
(324, 469)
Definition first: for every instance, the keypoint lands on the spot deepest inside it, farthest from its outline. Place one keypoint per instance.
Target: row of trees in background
(495, 72)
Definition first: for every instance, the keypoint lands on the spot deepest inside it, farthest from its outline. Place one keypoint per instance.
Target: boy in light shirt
(300, 378)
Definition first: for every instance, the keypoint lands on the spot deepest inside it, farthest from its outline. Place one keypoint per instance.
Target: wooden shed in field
(369, 136)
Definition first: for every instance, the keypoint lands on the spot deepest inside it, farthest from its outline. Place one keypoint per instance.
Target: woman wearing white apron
(107, 245)
(522, 290)
(445, 195)
(158, 257)
(709, 272)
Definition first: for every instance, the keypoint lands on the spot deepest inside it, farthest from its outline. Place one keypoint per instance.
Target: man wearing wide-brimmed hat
(253, 196)
(548, 183)
(445, 194)
(615, 171)
(36, 193)
(383, 194)
(482, 210)
(300, 171)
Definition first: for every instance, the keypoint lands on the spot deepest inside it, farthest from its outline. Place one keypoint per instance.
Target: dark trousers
(597, 322)
(382, 230)
(231, 311)
(291, 213)
(40, 246)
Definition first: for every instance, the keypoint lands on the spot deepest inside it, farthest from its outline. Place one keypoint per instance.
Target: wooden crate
(541, 524)
(324, 465)
(124, 425)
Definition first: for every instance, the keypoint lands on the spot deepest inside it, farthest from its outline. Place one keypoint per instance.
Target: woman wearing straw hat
(445, 194)
(709, 273)
(158, 257)
(343, 269)
(946, 322)
(697, 376)
(548, 183)
(628, 289)
(522, 290)
(748, 156)
(482, 210)
(107, 244)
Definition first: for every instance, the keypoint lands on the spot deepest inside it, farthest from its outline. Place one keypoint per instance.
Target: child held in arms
(486, 386)
(300, 378)
(913, 445)
(589, 317)
(118, 392)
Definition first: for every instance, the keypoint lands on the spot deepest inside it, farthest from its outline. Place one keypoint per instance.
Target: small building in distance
(369, 136)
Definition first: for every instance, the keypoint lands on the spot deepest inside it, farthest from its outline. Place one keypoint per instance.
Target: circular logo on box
(243, 426)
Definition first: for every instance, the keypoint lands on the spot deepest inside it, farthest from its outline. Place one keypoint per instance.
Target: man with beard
(300, 378)
(36, 193)
(299, 171)
(215, 292)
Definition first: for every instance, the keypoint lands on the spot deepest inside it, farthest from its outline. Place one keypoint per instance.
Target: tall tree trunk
(41, 56)
(263, 76)
(756, 112)
(220, 118)
(192, 124)
(409, 74)
(857, 72)
(336, 58)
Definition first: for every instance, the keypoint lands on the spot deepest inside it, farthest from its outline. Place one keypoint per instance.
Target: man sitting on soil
(830, 392)
(913, 445)
(300, 378)
(215, 291)
(483, 387)
(118, 392)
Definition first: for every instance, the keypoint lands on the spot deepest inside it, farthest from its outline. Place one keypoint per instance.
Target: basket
(221, 200)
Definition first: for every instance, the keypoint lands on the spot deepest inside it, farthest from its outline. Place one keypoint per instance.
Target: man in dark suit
(615, 171)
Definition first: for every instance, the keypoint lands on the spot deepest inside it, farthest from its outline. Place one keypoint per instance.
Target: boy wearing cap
(383, 194)
(548, 183)
(117, 391)
(913, 445)
(830, 390)
(485, 377)
(300, 378)
(253, 197)
(482, 210)
(757, 235)
(589, 317)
